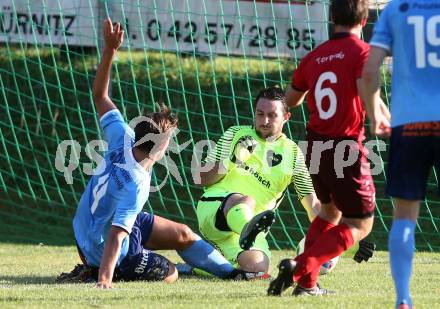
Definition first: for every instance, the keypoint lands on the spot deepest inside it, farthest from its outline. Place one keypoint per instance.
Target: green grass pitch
(27, 274)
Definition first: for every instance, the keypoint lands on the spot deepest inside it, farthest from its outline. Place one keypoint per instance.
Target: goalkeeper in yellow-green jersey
(245, 177)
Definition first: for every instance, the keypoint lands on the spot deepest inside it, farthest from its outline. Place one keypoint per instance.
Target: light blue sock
(401, 245)
(204, 256)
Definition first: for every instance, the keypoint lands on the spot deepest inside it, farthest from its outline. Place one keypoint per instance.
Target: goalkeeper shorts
(213, 227)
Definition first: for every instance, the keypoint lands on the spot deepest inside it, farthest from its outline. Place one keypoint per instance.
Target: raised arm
(112, 41)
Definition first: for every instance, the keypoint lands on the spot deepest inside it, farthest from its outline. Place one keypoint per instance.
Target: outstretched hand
(113, 37)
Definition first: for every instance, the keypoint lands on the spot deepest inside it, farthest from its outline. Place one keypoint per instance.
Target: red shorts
(353, 191)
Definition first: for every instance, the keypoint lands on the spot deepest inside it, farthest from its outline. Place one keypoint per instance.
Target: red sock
(331, 244)
(317, 229)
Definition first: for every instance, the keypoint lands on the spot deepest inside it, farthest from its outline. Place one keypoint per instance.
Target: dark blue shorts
(415, 150)
(140, 263)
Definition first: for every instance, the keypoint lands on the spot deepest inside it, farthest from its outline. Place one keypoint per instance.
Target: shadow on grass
(27, 280)
(50, 280)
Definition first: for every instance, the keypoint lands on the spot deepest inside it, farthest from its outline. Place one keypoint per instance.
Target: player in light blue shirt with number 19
(409, 30)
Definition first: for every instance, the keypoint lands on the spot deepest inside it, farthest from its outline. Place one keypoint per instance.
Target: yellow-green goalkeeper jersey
(260, 168)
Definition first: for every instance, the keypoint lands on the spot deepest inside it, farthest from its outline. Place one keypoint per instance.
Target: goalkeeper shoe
(261, 222)
(365, 251)
(315, 291)
(405, 306)
(284, 280)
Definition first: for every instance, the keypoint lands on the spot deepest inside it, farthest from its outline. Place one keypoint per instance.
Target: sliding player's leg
(167, 234)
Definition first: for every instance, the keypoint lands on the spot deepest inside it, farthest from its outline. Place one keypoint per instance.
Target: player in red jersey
(330, 77)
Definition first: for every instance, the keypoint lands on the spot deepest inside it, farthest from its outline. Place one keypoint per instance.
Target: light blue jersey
(115, 195)
(410, 31)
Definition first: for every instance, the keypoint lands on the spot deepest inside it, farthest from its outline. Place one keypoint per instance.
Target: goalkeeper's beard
(267, 132)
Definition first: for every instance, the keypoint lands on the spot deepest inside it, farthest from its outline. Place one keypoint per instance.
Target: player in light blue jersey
(409, 30)
(111, 231)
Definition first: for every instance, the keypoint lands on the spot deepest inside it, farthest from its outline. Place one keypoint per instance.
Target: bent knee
(172, 273)
(248, 200)
(329, 212)
(186, 237)
(360, 227)
(238, 199)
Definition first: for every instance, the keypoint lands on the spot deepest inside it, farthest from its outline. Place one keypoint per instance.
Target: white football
(326, 267)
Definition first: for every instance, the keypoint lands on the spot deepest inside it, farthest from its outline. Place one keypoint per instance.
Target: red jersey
(329, 73)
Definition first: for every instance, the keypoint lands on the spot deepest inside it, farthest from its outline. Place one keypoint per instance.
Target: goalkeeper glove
(243, 149)
(365, 251)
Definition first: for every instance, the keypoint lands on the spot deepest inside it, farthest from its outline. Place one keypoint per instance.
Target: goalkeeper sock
(331, 244)
(401, 247)
(318, 227)
(238, 216)
(204, 256)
